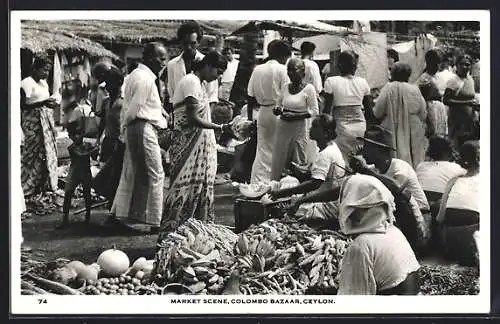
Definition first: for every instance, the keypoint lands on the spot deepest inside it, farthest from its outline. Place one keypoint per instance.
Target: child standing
(80, 154)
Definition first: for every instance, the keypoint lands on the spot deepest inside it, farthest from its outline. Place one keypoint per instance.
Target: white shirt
(267, 82)
(434, 175)
(190, 86)
(403, 173)
(312, 74)
(303, 101)
(347, 91)
(465, 194)
(375, 262)
(329, 164)
(442, 79)
(176, 70)
(35, 91)
(141, 98)
(230, 73)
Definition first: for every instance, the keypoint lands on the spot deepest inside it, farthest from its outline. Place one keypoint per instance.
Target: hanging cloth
(84, 72)
(57, 76)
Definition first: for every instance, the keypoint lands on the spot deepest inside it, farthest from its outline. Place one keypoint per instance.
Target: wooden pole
(248, 60)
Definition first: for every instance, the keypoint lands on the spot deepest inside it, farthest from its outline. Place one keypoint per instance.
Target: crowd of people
(384, 170)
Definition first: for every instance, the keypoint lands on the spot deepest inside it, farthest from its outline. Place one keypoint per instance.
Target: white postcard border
(162, 304)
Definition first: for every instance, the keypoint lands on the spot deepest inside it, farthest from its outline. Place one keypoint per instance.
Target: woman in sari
(402, 110)
(193, 152)
(437, 114)
(459, 96)
(297, 104)
(39, 154)
(346, 96)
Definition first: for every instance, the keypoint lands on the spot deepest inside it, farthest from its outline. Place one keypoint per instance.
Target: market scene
(222, 157)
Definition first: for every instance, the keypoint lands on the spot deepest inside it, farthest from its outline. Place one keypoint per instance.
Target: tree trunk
(247, 63)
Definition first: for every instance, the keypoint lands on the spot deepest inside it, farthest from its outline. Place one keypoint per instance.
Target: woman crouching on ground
(459, 211)
(379, 261)
(325, 171)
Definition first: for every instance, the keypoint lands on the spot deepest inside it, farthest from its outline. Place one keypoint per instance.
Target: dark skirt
(107, 180)
(410, 286)
(457, 236)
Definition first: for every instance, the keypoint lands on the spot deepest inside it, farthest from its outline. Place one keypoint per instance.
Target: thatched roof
(131, 31)
(296, 28)
(39, 40)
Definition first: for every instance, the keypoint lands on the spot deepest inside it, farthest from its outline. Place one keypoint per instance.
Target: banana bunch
(256, 253)
(320, 260)
(205, 277)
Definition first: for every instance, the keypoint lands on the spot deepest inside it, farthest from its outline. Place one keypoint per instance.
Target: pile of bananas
(194, 242)
(257, 253)
(205, 277)
(302, 258)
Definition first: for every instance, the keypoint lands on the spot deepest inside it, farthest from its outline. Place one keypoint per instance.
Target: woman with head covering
(402, 110)
(460, 96)
(193, 153)
(39, 154)
(266, 83)
(346, 96)
(459, 210)
(379, 261)
(437, 117)
(297, 103)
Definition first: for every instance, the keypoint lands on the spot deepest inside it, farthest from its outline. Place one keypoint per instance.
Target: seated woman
(459, 210)
(326, 169)
(379, 260)
(435, 173)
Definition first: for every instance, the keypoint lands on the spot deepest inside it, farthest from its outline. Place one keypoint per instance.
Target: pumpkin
(113, 262)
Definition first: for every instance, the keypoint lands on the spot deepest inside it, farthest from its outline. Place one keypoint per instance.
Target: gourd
(113, 262)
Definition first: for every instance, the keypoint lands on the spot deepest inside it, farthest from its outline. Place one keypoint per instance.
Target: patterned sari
(193, 156)
(39, 153)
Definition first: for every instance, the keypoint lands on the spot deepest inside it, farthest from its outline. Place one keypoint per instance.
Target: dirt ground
(85, 243)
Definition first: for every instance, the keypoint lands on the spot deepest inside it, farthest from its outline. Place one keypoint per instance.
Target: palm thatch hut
(126, 37)
(72, 55)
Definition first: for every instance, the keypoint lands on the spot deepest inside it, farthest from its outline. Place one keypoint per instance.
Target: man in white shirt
(312, 74)
(229, 75)
(190, 35)
(377, 150)
(140, 194)
(264, 90)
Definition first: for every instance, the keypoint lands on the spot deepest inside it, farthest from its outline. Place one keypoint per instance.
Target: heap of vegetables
(197, 256)
(111, 274)
(286, 257)
(274, 257)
